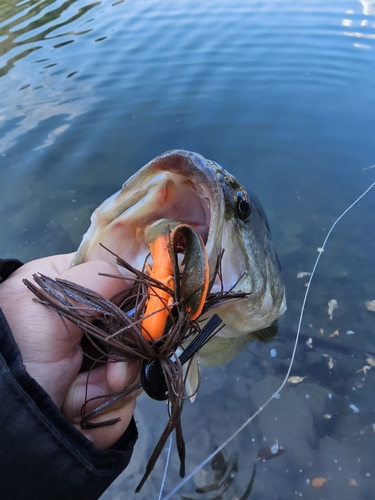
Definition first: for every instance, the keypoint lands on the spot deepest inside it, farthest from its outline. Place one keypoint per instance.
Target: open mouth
(175, 188)
(175, 204)
(138, 218)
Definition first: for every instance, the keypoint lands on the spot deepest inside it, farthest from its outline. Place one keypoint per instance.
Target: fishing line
(261, 408)
(166, 467)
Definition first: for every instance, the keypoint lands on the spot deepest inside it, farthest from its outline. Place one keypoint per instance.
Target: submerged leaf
(270, 452)
(364, 369)
(332, 305)
(319, 482)
(336, 333)
(302, 274)
(370, 305)
(296, 379)
(371, 361)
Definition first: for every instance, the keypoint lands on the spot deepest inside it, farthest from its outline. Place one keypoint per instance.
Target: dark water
(282, 95)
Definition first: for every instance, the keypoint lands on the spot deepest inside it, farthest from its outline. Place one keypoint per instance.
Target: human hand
(50, 352)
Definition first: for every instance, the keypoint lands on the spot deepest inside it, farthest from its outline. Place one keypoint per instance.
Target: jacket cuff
(43, 455)
(7, 267)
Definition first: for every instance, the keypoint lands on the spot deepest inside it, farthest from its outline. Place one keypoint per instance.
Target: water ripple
(192, 52)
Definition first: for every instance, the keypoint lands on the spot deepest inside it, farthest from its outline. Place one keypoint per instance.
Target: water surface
(282, 95)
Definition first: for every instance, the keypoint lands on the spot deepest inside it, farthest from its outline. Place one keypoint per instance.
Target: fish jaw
(175, 187)
(256, 273)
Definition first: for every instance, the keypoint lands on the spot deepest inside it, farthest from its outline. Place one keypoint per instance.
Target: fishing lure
(191, 286)
(123, 334)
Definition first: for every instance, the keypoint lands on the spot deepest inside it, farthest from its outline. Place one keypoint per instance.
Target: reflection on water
(280, 95)
(29, 23)
(356, 24)
(368, 7)
(39, 28)
(59, 103)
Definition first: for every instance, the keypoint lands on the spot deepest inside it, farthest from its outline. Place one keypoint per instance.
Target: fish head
(249, 264)
(184, 187)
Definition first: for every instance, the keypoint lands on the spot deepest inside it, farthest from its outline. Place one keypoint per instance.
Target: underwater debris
(270, 452)
(296, 380)
(223, 483)
(309, 342)
(371, 364)
(336, 333)
(332, 305)
(370, 305)
(354, 408)
(319, 482)
(303, 274)
(364, 369)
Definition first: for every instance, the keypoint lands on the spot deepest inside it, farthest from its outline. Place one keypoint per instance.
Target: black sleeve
(7, 267)
(43, 456)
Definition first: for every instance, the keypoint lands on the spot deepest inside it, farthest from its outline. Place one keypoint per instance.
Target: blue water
(282, 95)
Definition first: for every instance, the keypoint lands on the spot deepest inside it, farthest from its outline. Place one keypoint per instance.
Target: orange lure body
(157, 310)
(193, 284)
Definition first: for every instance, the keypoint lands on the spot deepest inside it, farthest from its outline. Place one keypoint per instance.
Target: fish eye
(243, 205)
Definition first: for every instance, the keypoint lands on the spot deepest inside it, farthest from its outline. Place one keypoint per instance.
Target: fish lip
(192, 172)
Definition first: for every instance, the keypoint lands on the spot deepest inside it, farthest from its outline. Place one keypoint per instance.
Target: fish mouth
(183, 190)
(176, 187)
(179, 202)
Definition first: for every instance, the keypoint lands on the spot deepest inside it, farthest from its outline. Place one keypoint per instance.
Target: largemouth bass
(184, 187)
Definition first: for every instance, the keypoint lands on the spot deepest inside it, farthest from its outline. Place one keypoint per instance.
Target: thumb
(95, 385)
(90, 275)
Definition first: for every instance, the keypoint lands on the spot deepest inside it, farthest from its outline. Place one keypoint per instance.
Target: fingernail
(117, 375)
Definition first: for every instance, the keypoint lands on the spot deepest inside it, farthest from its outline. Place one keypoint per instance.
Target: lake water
(280, 93)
